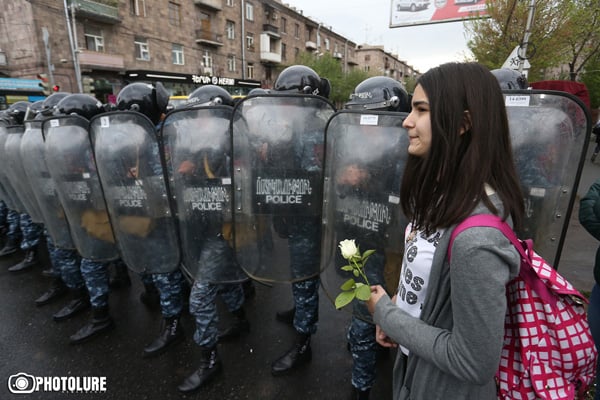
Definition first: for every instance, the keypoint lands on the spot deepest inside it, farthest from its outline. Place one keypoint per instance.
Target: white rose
(348, 248)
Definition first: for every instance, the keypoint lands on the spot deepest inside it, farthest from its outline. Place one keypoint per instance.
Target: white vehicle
(412, 5)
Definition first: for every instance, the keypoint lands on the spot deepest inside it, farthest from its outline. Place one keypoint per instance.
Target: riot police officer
(198, 139)
(303, 232)
(367, 175)
(72, 168)
(32, 232)
(152, 101)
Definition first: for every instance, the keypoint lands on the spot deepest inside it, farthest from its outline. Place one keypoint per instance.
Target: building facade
(100, 46)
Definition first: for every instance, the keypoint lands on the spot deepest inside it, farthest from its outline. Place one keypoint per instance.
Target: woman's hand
(383, 339)
(377, 292)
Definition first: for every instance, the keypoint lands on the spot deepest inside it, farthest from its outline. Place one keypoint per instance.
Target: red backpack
(548, 350)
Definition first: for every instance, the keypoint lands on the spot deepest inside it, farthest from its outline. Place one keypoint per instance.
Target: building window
(297, 31)
(249, 12)
(207, 59)
(336, 48)
(137, 7)
(283, 25)
(283, 51)
(367, 57)
(142, 51)
(94, 41)
(230, 29)
(326, 44)
(367, 68)
(177, 53)
(229, 3)
(231, 63)
(250, 41)
(296, 52)
(250, 71)
(174, 14)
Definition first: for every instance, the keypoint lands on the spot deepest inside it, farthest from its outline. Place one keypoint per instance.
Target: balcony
(96, 60)
(212, 4)
(267, 57)
(271, 30)
(208, 38)
(106, 11)
(337, 55)
(310, 45)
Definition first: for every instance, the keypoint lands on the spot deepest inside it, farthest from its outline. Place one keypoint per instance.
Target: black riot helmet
(51, 101)
(81, 104)
(209, 95)
(258, 92)
(302, 79)
(379, 93)
(17, 111)
(510, 79)
(149, 99)
(34, 109)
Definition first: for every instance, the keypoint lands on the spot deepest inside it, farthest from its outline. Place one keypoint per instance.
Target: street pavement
(32, 343)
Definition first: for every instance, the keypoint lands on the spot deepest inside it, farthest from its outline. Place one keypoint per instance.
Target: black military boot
(120, 276)
(10, 247)
(79, 303)
(298, 355)
(360, 394)
(29, 261)
(101, 322)
(150, 296)
(171, 334)
(57, 290)
(210, 366)
(239, 326)
(286, 316)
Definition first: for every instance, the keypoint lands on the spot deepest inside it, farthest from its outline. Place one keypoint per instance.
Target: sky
(367, 21)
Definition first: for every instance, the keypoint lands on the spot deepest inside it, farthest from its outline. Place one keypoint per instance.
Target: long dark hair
(444, 187)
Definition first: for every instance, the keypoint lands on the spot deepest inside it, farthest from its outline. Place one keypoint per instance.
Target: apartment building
(376, 61)
(100, 46)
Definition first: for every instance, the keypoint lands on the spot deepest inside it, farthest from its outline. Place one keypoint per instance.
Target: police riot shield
(278, 142)
(43, 187)
(365, 155)
(132, 176)
(198, 141)
(550, 134)
(16, 173)
(70, 161)
(11, 198)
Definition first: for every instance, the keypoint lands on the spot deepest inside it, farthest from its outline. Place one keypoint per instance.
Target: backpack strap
(524, 247)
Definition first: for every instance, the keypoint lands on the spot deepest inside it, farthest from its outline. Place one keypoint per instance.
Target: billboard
(422, 12)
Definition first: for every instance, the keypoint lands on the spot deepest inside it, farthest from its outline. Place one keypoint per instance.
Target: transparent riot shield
(198, 141)
(11, 198)
(278, 145)
(43, 187)
(16, 173)
(365, 156)
(132, 176)
(70, 161)
(550, 134)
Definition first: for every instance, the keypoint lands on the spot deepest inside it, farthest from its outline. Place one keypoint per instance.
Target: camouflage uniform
(203, 307)
(32, 232)
(95, 275)
(65, 265)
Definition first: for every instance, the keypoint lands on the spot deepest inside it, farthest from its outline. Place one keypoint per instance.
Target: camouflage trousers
(12, 223)
(361, 334)
(95, 275)
(306, 301)
(65, 264)
(31, 231)
(203, 307)
(3, 212)
(170, 289)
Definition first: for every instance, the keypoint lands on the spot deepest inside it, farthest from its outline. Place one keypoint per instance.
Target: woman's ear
(465, 126)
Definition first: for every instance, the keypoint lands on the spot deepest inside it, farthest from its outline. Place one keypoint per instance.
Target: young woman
(447, 317)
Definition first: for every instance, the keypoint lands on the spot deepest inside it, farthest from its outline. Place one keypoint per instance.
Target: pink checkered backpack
(548, 350)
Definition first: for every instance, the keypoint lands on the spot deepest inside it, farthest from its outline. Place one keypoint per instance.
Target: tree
(342, 85)
(564, 32)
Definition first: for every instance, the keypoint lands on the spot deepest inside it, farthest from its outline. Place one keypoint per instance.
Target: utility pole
(73, 43)
(523, 50)
(45, 37)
